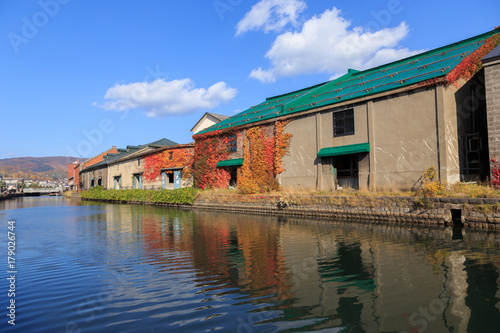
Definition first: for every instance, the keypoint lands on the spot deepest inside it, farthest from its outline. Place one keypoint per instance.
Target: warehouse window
(232, 143)
(343, 123)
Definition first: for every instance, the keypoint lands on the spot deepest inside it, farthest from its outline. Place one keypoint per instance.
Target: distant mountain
(37, 168)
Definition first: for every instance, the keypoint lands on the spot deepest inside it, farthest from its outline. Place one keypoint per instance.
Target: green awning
(228, 163)
(344, 150)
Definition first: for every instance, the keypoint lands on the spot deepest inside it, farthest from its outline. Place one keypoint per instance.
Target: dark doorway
(233, 172)
(346, 171)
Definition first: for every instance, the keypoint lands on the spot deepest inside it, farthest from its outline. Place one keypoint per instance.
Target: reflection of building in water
(458, 290)
(246, 253)
(482, 278)
(409, 289)
(332, 277)
(264, 263)
(383, 278)
(497, 265)
(322, 275)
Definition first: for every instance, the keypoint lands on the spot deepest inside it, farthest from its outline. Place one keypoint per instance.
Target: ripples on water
(120, 268)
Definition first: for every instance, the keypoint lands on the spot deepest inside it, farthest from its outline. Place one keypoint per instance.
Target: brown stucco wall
(301, 162)
(96, 174)
(405, 138)
(126, 169)
(408, 133)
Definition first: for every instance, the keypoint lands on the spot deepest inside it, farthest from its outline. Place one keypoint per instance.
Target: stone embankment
(475, 213)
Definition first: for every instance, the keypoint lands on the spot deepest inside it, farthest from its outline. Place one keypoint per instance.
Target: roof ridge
(216, 115)
(419, 55)
(428, 65)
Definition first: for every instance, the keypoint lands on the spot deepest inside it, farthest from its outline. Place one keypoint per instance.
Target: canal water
(87, 267)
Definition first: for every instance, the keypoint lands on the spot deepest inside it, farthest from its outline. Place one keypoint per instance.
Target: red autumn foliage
(262, 160)
(495, 173)
(209, 149)
(170, 158)
(471, 64)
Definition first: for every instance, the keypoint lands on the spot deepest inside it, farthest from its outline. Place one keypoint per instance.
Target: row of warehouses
(379, 128)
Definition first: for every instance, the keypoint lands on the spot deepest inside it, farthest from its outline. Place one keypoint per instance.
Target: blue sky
(78, 77)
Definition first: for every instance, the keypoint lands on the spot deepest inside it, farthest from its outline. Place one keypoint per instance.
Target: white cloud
(161, 98)
(326, 44)
(263, 75)
(271, 15)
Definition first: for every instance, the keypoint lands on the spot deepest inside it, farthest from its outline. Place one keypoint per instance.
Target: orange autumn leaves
(171, 158)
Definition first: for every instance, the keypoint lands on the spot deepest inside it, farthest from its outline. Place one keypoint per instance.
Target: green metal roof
(356, 84)
(263, 111)
(110, 158)
(344, 150)
(233, 162)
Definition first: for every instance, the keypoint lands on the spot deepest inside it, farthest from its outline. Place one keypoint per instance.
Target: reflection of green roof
(233, 162)
(357, 84)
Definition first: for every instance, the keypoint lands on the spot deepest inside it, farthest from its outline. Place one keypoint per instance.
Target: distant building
(207, 120)
(104, 173)
(73, 180)
(12, 184)
(173, 169)
(127, 171)
(97, 174)
(74, 169)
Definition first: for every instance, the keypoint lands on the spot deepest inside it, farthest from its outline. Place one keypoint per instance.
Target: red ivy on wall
(171, 158)
(257, 172)
(209, 149)
(472, 63)
(495, 173)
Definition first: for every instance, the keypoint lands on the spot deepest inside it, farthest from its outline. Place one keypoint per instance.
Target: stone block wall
(472, 213)
(492, 84)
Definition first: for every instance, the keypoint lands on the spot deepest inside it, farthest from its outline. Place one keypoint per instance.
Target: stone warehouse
(375, 129)
(167, 167)
(380, 128)
(125, 168)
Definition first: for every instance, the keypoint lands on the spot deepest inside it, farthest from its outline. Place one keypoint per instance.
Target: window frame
(343, 123)
(232, 143)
